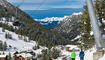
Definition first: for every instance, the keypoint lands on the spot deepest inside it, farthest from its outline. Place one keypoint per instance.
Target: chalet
(19, 58)
(3, 57)
(23, 56)
(70, 48)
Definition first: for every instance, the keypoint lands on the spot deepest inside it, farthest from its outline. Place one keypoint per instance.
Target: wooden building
(3, 57)
(19, 58)
(23, 56)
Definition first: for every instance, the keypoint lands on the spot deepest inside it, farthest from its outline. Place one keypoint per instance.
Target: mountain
(50, 18)
(70, 27)
(50, 23)
(31, 28)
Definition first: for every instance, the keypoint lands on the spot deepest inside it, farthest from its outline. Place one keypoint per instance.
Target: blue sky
(47, 4)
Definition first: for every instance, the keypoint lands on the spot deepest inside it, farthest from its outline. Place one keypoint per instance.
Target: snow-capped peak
(52, 19)
(77, 13)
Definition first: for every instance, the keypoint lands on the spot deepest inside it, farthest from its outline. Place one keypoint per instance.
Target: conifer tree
(86, 38)
(1, 46)
(3, 30)
(9, 56)
(100, 10)
(5, 46)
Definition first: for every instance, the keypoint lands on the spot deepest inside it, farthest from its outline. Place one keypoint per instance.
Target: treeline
(87, 38)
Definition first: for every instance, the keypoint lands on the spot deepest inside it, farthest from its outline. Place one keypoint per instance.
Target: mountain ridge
(70, 27)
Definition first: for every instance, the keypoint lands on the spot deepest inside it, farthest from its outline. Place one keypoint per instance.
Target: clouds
(46, 4)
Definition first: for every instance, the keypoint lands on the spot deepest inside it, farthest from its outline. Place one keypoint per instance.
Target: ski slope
(16, 42)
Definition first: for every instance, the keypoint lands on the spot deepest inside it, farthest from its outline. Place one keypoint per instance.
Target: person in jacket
(73, 55)
(81, 55)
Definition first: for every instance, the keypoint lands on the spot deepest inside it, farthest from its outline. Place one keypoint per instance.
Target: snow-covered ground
(18, 44)
(88, 53)
(103, 58)
(15, 41)
(21, 45)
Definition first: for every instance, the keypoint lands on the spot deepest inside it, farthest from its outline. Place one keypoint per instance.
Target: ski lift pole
(95, 26)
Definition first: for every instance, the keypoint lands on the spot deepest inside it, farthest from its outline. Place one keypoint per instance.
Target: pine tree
(9, 56)
(5, 46)
(3, 30)
(86, 38)
(49, 54)
(9, 36)
(25, 39)
(55, 53)
(6, 35)
(1, 46)
(100, 10)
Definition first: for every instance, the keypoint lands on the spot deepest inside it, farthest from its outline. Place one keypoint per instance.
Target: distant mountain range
(50, 22)
(52, 17)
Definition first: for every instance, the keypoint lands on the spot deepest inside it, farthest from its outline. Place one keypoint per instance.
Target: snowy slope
(21, 45)
(15, 41)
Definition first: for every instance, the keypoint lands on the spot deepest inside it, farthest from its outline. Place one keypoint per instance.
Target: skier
(81, 55)
(73, 55)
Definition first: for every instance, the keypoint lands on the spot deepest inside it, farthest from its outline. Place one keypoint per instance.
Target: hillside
(70, 27)
(31, 28)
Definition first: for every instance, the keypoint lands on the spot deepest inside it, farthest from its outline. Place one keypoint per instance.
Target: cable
(42, 3)
(21, 3)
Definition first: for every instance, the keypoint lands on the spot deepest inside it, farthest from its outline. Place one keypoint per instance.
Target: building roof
(25, 55)
(2, 56)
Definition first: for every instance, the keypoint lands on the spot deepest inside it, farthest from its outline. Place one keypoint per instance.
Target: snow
(20, 45)
(88, 53)
(15, 41)
(91, 33)
(52, 19)
(103, 58)
(25, 55)
(72, 47)
(2, 56)
(79, 36)
(9, 23)
(80, 13)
